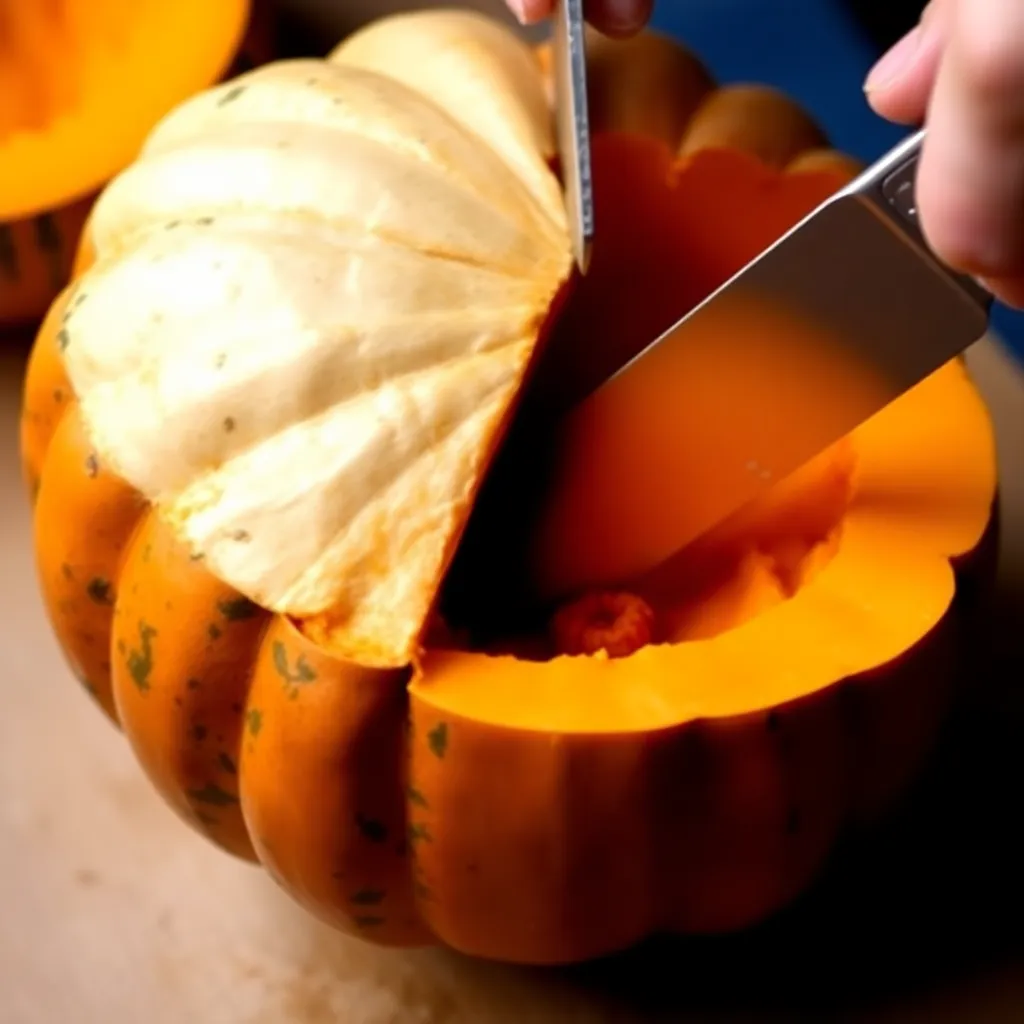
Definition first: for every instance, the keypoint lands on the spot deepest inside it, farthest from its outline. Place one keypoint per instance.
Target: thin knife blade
(842, 315)
(573, 128)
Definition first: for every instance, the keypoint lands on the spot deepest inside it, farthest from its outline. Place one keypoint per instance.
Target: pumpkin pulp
(83, 83)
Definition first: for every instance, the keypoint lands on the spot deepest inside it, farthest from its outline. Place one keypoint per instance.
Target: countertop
(112, 911)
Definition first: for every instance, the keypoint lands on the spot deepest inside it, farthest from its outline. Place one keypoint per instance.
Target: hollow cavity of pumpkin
(739, 707)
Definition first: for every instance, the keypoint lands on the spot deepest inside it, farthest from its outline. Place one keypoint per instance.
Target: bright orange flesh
(83, 83)
(555, 808)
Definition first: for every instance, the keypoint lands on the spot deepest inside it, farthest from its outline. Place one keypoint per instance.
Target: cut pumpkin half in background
(82, 83)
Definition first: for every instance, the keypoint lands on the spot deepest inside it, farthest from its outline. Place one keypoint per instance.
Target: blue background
(814, 50)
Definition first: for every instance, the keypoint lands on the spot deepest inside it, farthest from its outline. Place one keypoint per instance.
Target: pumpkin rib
(182, 647)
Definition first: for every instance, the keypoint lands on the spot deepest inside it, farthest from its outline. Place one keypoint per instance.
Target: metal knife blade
(842, 315)
(573, 128)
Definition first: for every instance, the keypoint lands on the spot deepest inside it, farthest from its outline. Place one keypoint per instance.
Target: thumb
(899, 85)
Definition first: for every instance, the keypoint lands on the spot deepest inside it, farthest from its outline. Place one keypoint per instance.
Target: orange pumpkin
(66, 68)
(682, 750)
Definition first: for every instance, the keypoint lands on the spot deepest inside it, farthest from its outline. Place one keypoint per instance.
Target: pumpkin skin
(47, 186)
(553, 810)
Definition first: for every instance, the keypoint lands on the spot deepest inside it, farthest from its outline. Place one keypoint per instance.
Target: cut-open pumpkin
(83, 83)
(257, 426)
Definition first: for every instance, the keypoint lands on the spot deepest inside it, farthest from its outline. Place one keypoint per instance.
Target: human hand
(961, 73)
(611, 17)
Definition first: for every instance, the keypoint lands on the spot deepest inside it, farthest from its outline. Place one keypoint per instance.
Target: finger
(1009, 290)
(528, 12)
(899, 85)
(970, 186)
(618, 18)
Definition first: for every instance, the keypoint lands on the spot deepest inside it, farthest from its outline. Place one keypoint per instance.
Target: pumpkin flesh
(508, 801)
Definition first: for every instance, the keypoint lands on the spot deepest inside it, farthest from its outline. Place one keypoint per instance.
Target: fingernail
(896, 62)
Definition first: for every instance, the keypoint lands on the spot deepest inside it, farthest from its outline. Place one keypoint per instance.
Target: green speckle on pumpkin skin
(92, 465)
(419, 833)
(67, 572)
(416, 797)
(293, 677)
(367, 897)
(140, 659)
(213, 631)
(63, 339)
(437, 739)
(237, 609)
(231, 95)
(213, 795)
(253, 721)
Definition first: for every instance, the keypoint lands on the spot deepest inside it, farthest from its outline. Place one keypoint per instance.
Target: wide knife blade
(842, 315)
(572, 123)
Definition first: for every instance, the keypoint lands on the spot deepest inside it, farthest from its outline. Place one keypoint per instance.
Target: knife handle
(890, 186)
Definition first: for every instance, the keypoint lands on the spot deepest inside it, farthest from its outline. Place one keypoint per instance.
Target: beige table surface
(112, 911)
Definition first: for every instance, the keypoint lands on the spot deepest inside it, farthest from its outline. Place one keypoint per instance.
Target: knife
(846, 312)
(572, 123)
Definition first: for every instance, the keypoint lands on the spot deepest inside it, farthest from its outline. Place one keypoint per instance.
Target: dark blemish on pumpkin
(237, 609)
(66, 571)
(147, 552)
(367, 921)
(213, 795)
(229, 424)
(371, 829)
(58, 395)
(213, 631)
(241, 536)
(422, 891)
(172, 224)
(416, 797)
(178, 702)
(419, 833)
(140, 659)
(773, 721)
(206, 819)
(199, 733)
(253, 721)
(8, 253)
(227, 764)
(312, 81)
(205, 221)
(367, 897)
(231, 95)
(63, 339)
(218, 363)
(121, 646)
(92, 465)
(196, 556)
(79, 299)
(194, 684)
(437, 739)
(293, 678)
(793, 822)
(100, 591)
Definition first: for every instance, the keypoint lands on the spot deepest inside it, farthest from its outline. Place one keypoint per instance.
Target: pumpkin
(66, 69)
(274, 422)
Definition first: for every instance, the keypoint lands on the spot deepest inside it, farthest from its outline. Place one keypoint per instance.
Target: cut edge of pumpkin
(70, 129)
